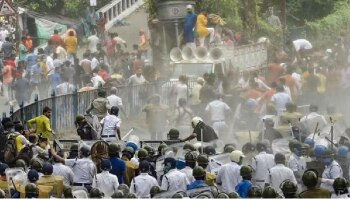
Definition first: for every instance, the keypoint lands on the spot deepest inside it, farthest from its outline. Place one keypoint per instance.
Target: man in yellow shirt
(202, 28)
(71, 46)
(42, 123)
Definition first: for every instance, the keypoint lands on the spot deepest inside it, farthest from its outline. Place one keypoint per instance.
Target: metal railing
(118, 9)
(66, 107)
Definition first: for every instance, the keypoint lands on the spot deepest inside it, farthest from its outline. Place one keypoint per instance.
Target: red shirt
(57, 40)
(104, 74)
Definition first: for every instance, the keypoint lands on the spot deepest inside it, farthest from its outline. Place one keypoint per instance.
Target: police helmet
(79, 118)
(128, 151)
(173, 134)
(310, 142)
(177, 196)
(117, 195)
(2, 194)
(142, 154)
(254, 192)
(261, 146)
(269, 193)
(20, 163)
(113, 149)
(209, 150)
(320, 150)
(154, 190)
(196, 121)
(188, 146)
(248, 148)
(222, 195)
(33, 175)
(150, 150)
(198, 171)
(343, 151)
(233, 195)
(202, 159)
(229, 148)
(161, 148)
(328, 153)
(85, 151)
(47, 169)
(96, 193)
(125, 189)
(144, 166)
(31, 191)
(101, 93)
(288, 187)
(291, 144)
(132, 145)
(67, 192)
(132, 196)
(246, 171)
(190, 157)
(36, 164)
(115, 110)
(340, 183)
(106, 165)
(310, 178)
(3, 167)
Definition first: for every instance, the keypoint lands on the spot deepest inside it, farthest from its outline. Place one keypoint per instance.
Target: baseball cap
(106, 164)
(3, 167)
(236, 155)
(189, 6)
(33, 175)
(144, 166)
(47, 169)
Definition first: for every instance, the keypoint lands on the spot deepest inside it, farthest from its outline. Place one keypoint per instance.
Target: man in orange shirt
(253, 92)
(56, 39)
(71, 46)
(7, 80)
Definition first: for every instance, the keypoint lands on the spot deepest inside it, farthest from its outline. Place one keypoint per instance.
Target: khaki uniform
(55, 181)
(210, 178)
(100, 107)
(44, 191)
(4, 186)
(287, 117)
(315, 193)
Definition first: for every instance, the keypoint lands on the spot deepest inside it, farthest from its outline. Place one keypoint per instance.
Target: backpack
(10, 152)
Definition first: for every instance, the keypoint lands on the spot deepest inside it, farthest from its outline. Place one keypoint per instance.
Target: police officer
(108, 183)
(289, 189)
(233, 195)
(161, 149)
(190, 162)
(33, 176)
(73, 151)
(31, 191)
(340, 186)
(203, 161)
(155, 190)
(294, 162)
(188, 147)
(173, 134)
(229, 148)
(173, 179)
(3, 180)
(142, 155)
(261, 163)
(199, 175)
(125, 189)
(118, 165)
(255, 193)
(249, 151)
(310, 178)
(59, 169)
(332, 170)
(229, 174)
(244, 186)
(343, 160)
(200, 129)
(279, 173)
(222, 195)
(269, 193)
(96, 193)
(49, 180)
(141, 185)
(131, 167)
(83, 168)
(117, 195)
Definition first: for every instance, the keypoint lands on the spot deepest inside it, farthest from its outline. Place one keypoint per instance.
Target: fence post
(36, 101)
(54, 110)
(11, 112)
(21, 107)
(75, 103)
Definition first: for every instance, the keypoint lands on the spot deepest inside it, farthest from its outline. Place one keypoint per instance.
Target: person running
(42, 123)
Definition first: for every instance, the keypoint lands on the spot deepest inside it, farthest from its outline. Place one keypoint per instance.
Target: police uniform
(330, 173)
(217, 110)
(296, 164)
(174, 180)
(55, 181)
(290, 117)
(84, 171)
(61, 170)
(188, 171)
(277, 175)
(142, 184)
(229, 176)
(315, 193)
(106, 182)
(261, 163)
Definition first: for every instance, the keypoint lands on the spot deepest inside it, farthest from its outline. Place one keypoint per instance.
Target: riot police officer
(310, 178)
(269, 193)
(289, 189)
(203, 161)
(31, 191)
(332, 170)
(255, 193)
(190, 162)
(199, 175)
(96, 193)
(340, 186)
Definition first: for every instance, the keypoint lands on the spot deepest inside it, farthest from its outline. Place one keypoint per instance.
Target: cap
(170, 160)
(33, 175)
(236, 155)
(189, 6)
(3, 167)
(106, 164)
(144, 166)
(47, 169)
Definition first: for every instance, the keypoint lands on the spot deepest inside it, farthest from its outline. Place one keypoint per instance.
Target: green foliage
(75, 7)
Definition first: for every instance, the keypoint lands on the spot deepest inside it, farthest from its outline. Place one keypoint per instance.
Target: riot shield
(15, 178)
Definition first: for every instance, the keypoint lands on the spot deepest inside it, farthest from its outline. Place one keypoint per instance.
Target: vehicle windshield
(191, 69)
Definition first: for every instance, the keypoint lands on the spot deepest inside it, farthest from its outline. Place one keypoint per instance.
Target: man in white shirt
(229, 174)
(294, 162)
(94, 62)
(280, 99)
(279, 173)
(310, 121)
(93, 41)
(301, 47)
(115, 100)
(97, 81)
(217, 111)
(141, 185)
(64, 88)
(106, 182)
(59, 169)
(190, 161)
(61, 53)
(261, 164)
(119, 40)
(111, 125)
(173, 179)
(50, 66)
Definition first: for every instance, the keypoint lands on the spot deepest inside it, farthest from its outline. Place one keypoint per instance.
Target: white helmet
(196, 120)
(236, 155)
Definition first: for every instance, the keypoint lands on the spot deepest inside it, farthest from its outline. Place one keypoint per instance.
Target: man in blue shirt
(118, 165)
(199, 175)
(244, 186)
(189, 25)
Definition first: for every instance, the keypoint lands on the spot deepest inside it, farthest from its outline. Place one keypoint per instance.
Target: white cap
(236, 155)
(196, 120)
(189, 6)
